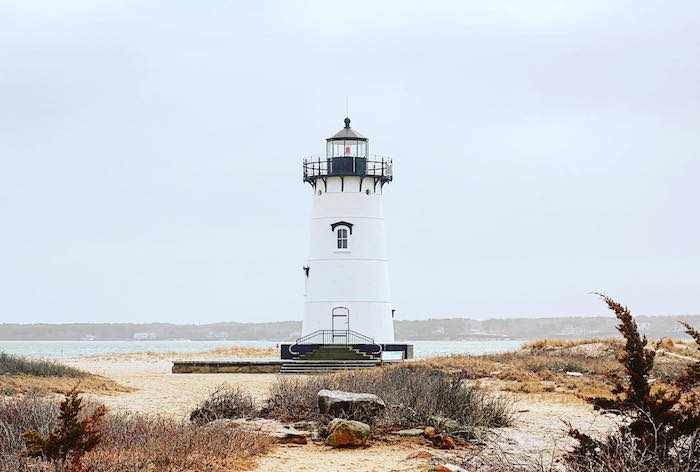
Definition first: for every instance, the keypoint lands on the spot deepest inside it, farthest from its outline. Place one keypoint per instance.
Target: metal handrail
(381, 167)
(327, 335)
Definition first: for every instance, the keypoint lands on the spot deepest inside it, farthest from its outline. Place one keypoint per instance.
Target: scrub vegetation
(415, 395)
(42, 434)
(566, 370)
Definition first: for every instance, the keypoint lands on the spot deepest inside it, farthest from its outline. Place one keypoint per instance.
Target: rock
(357, 406)
(420, 455)
(223, 423)
(289, 436)
(443, 441)
(305, 425)
(574, 374)
(410, 432)
(429, 432)
(344, 433)
(445, 424)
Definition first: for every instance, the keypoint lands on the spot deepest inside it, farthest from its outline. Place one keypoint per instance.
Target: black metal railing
(315, 167)
(335, 336)
(342, 337)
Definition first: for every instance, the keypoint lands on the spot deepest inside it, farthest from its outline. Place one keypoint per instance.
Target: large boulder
(347, 433)
(357, 406)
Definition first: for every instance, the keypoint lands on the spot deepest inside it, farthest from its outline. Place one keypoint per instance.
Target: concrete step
(336, 352)
(313, 367)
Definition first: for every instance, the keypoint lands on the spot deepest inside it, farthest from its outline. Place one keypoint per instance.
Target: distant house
(143, 336)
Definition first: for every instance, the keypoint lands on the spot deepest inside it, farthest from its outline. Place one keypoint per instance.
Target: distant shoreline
(448, 329)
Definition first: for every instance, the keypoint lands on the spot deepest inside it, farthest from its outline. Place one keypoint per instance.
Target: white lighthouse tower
(347, 296)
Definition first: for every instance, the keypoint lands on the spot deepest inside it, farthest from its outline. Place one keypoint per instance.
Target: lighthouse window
(338, 148)
(351, 148)
(361, 149)
(342, 238)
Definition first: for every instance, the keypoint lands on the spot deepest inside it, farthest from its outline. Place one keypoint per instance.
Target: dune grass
(550, 366)
(23, 375)
(17, 365)
(233, 352)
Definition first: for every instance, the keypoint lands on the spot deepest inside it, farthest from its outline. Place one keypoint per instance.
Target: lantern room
(347, 143)
(347, 155)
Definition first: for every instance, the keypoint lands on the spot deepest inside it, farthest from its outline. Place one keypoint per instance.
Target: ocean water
(63, 349)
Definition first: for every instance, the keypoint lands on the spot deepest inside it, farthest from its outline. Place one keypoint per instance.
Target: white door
(340, 325)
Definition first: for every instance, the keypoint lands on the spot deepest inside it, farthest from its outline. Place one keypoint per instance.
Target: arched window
(342, 230)
(342, 238)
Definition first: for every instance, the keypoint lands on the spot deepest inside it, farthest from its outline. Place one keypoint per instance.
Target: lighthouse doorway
(340, 325)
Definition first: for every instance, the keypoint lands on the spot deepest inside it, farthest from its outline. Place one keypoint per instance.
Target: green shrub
(72, 438)
(661, 426)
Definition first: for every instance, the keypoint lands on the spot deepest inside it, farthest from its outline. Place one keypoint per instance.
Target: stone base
(227, 367)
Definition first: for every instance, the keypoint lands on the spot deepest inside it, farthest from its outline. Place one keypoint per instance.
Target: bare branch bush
(414, 394)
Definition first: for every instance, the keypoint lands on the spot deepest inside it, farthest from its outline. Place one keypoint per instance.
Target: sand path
(160, 391)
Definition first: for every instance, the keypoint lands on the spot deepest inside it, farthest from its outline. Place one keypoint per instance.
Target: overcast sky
(150, 154)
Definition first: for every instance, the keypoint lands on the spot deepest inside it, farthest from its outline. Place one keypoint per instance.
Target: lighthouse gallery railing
(380, 167)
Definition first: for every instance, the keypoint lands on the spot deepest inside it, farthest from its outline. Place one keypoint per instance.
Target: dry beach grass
(131, 442)
(568, 370)
(233, 352)
(21, 375)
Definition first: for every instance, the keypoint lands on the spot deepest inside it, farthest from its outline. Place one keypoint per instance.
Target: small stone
(410, 432)
(305, 425)
(289, 436)
(224, 423)
(574, 374)
(429, 432)
(443, 441)
(446, 424)
(347, 433)
(420, 455)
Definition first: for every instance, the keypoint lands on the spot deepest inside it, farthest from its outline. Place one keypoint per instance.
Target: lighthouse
(348, 313)
(347, 274)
